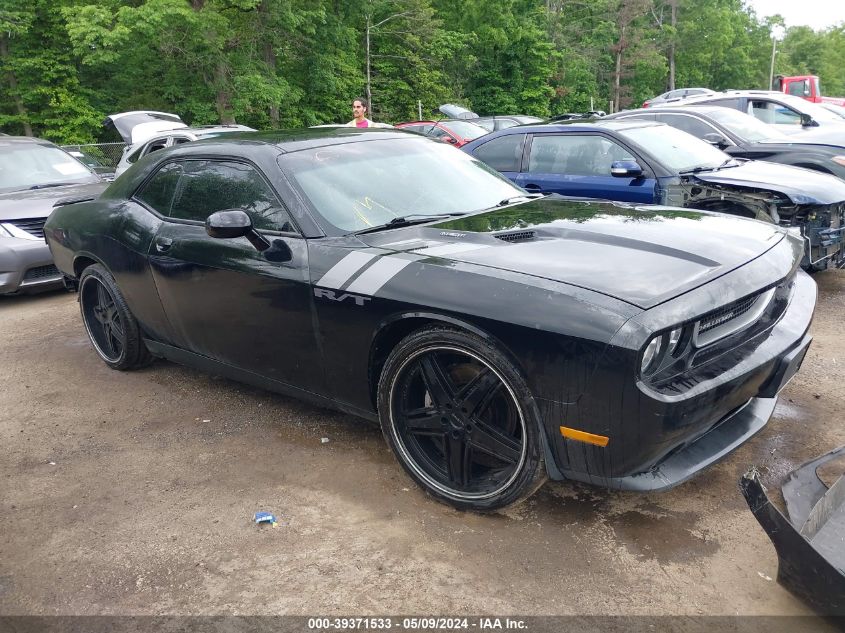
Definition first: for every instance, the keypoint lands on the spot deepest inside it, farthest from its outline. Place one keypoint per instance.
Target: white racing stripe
(340, 273)
(377, 275)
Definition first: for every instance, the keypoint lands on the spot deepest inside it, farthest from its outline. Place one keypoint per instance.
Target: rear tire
(112, 328)
(461, 419)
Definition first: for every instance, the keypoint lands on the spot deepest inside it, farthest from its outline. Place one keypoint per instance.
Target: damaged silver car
(35, 176)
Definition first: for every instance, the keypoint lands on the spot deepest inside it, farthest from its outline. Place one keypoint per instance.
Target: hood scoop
(515, 236)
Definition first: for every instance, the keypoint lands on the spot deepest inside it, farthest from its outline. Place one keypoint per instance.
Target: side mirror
(717, 140)
(625, 169)
(234, 223)
(808, 121)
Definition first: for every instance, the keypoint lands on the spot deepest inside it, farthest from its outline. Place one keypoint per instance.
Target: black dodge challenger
(499, 337)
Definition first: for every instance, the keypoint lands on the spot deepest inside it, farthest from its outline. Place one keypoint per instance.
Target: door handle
(163, 244)
(531, 187)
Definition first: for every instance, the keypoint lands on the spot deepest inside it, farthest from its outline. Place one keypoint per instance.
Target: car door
(223, 298)
(578, 164)
(504, 154)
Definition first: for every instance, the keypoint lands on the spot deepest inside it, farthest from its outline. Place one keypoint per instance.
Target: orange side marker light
(583, 436)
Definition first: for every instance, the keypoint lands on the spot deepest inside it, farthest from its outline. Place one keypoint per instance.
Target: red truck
(806, 87)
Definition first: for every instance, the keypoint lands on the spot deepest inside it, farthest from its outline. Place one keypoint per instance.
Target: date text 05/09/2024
(415, 623)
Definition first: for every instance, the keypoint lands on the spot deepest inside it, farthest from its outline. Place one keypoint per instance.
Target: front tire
(461, 419)
(112, 328)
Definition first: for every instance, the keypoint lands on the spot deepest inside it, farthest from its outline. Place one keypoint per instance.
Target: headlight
(659, 348)
(650, 353)
(839, 160)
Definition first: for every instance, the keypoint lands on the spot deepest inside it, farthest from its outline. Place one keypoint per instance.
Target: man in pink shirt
(359, 112)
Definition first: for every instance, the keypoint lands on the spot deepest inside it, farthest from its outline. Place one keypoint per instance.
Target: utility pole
(777, 32)
(370, 28)
(369, 89)
(772, 67)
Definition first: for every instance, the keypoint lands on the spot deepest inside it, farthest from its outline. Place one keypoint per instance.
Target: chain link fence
(101, 157)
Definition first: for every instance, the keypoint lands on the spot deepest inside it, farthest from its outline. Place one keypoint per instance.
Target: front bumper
(26, 265)
(657, 440)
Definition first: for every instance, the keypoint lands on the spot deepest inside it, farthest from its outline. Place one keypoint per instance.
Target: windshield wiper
(727, 163)
(47, 185)
(701, 168)
(524, 196)
(408, 220)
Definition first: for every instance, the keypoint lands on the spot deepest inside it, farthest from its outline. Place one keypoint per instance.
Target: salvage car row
(483, 323)
(500, 337)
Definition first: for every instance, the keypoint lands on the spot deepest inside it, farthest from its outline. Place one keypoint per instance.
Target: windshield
(746, 126)
(836, 109)
(814, 110)
(677, 150)
(355, 186)
(465, 129)
(28, 165)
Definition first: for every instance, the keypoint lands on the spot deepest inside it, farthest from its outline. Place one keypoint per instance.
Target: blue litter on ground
(265, 517)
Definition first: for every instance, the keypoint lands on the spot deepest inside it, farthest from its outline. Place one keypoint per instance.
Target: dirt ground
(133, 493)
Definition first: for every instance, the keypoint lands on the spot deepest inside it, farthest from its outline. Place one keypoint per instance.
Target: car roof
(676, 108)
(212, 129)
(16, 140)
(307, 138)
(739, 93)
(576, 125)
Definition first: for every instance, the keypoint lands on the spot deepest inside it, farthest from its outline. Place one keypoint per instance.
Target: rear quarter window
(158, 192)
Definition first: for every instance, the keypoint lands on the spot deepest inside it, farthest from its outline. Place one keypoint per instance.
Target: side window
(688, 124)
(155, 146)
(503, 153)
(178, 140)
(786, 116)
(575, 155)
(158, 192)
(437, 133)
(776, 113)
(207, 186)
(799, 88)
(134, 155)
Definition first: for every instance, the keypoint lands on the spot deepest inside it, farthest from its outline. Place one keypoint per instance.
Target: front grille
(732, 332)
(41, 272)
(33, 226)
(519, 236)
(726, 313)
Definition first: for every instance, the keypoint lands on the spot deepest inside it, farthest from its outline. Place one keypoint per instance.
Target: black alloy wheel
(112, 328)
(461, 420)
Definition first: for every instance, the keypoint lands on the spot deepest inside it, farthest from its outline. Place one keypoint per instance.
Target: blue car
(650, 163)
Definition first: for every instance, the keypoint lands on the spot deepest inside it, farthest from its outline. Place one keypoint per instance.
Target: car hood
(139, 125)
(822, 135)
(641, 255)
(802, 186)
(38, 203)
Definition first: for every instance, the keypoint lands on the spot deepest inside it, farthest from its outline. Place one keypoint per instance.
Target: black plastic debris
(810, 544)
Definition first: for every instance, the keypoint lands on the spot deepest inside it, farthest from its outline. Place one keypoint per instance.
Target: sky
(817, 14)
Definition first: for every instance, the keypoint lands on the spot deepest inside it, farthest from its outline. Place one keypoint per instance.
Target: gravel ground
(133, 493)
